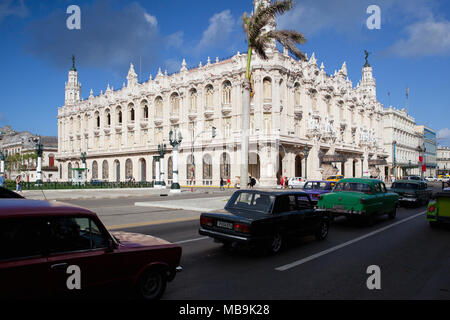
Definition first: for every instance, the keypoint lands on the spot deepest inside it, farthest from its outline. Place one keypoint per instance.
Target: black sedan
(267, 219)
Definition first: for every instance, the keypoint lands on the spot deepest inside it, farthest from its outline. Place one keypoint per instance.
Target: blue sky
(412, 48)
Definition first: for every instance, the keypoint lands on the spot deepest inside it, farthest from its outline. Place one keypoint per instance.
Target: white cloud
(220, 27)
(443, 133)
(8, 9)
(175, 40)
(151, 19)
(425, 38)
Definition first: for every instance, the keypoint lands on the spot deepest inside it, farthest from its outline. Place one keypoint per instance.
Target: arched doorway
(143, 169)
(105, 170)
(117, 167)
(254, 165)
(298, 166)
(225, 167)
(128, 169)
(94, 170)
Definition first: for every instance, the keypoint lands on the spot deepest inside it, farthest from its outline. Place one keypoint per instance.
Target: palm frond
(289, 39)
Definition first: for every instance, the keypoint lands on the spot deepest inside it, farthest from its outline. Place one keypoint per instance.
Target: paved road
(414, 262)
(414, 259)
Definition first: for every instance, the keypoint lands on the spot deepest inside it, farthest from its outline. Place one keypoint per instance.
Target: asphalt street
(413, 258)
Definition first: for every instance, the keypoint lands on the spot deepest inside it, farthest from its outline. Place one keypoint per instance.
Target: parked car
(264, 219)
(361, 198)
(432, 179)
(43, 242)
(438, 211)
(296, 182)
(316, 188)
(335, 178)
(412, 191)
(6, 193)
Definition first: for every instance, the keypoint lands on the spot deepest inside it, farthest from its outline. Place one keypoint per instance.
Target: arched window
(108, 118)
(193, 100)
(267, 90)
(105, 170)
(119, 115)
(97, 120)
(128, 169)
(226, 92)
(79, 124)
(131, 112)
(297, 94)
(159, 108)
(282, 91)
(94, 170)
(145, 112)
(175, 103)
(209, 96)
(314, 98)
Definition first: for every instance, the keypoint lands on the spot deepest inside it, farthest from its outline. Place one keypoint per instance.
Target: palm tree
(259, 40)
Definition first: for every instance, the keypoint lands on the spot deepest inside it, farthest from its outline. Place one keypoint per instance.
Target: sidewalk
(202, 205)
(82, 194)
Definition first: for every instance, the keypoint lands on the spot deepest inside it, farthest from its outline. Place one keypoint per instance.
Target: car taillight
(315, 195)
(431, 209)
(205, 221)
(239, 227)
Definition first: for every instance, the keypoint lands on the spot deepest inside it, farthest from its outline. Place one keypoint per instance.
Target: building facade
(303, 122)
(401, 141)
(428, 145)
(21, 157)
(443, 160)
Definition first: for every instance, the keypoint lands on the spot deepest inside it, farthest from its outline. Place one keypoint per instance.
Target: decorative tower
(368, 85)
(73, 87)
(132, 78)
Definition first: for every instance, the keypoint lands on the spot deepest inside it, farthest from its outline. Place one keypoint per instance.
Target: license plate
(223, 224)
(339, 206)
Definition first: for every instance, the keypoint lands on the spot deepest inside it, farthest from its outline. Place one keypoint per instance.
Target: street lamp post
(39, 151)
(306, 151)
(162, 149)
(175, 142)
(157, 182)
(83, 161)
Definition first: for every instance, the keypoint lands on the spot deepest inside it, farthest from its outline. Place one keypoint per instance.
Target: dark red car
(52, 249)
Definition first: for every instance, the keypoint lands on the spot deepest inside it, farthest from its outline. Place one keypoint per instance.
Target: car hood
(136, 240)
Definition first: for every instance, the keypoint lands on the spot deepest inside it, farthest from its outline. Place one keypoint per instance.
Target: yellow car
(335, 178)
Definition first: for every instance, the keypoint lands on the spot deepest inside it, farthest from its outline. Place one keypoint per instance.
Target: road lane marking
(322, 253)
(191, 240)
(150, 223)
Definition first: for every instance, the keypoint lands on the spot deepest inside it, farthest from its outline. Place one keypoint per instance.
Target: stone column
(157, 184)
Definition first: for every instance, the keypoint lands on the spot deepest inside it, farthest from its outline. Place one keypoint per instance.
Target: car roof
(408, 181)
(361, 180)
(272, 193)
(26, 207)
(325, 181)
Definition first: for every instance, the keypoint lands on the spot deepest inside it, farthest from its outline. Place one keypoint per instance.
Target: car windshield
(403, 185)
(315, 186)
(352, 186)
(252, 201)
(414, 178)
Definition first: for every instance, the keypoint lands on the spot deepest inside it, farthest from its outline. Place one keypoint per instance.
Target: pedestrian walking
(2, 181)
(228, 183)
(252, 182)
(221, 184)
(19, 184)
(285, 182)
(282, 182)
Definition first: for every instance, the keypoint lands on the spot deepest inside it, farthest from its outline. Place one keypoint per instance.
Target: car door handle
(58, 266)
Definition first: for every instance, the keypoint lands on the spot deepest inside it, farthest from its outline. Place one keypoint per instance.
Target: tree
(259, 40)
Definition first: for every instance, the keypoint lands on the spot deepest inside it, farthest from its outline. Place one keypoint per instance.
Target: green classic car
(361, 198)
(439, 209)
(411, 191)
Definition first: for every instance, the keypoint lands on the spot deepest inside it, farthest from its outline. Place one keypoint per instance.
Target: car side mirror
(111, 245)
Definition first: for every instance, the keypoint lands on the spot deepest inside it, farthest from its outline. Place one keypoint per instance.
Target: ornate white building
(401, 142)
(443, 160)
(295, 105)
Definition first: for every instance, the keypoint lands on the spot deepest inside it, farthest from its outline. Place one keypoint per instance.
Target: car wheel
(433, 224)
(151, 285)
(322, 231)
(393, 213)
(276, 243)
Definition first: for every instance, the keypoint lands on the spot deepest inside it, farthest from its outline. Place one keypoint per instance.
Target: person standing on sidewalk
(221, 184)
(19, 183)
(2, 181)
